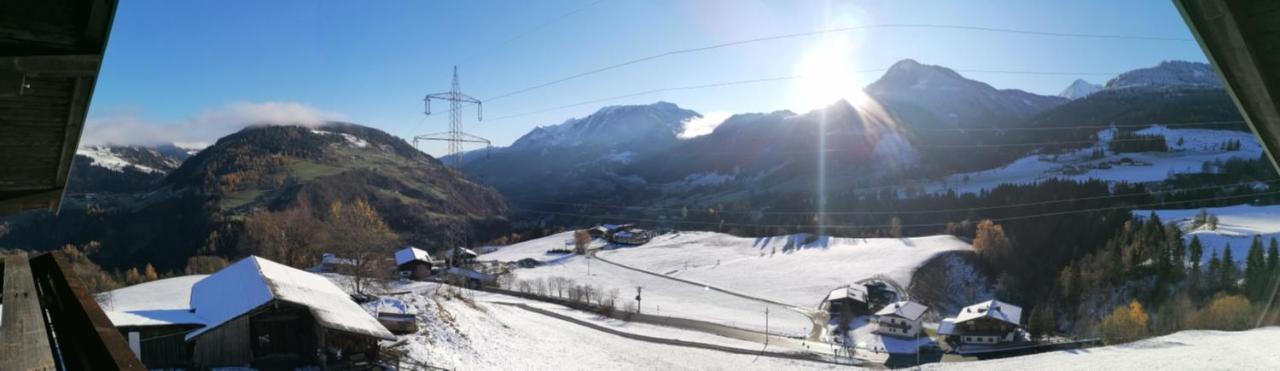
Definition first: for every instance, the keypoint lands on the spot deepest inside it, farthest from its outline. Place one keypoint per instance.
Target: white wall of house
(897, 326)
(987, 339)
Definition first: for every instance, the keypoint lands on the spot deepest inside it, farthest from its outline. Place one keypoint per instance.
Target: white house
(901, 319)
(988, 322)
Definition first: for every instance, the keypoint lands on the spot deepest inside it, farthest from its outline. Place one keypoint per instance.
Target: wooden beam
(24, 340)
(87, 339)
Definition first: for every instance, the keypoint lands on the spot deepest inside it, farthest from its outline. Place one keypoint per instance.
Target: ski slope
(1236, 227)
(784, 268)
(1187, 350)
(1197, 147)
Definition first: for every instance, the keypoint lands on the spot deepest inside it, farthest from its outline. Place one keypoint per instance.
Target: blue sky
(194, 70)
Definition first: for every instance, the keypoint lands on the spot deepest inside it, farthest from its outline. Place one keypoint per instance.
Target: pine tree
(1255, 270)
(1197, 251)
(1213, 275)
(1229, 274)
(1176, 249)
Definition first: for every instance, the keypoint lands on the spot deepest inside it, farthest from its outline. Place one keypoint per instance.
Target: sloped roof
(253, 281)
(155, 303)
(410, 253)
(905, 309)
(855, 292)
(993, 309)
(947, 327)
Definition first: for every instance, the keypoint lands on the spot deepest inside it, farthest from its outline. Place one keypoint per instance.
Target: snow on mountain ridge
(1079, 89)
(1168, 73)
(611, 125)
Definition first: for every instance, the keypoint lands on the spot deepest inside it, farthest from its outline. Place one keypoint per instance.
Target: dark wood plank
(24, 342)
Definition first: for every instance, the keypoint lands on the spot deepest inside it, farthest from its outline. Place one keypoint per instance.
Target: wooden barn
(413, 263)
(847, 302)
(154, 318)
(254, 313)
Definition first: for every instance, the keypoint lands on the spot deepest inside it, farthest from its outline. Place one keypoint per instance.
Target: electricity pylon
(455, 136)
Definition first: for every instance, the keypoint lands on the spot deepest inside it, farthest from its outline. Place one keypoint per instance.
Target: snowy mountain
(612, 126)
(1168, 74)
(956, 100)
(169, 213)
(113, 168)
(1079, 89)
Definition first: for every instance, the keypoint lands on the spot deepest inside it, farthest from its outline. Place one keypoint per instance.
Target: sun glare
(828, 75)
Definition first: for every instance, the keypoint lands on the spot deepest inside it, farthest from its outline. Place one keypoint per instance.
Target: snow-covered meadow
(792, 270)
(1237, 225)
(1187, 350)
(476, 331)
(787, 269)
(1188, 150)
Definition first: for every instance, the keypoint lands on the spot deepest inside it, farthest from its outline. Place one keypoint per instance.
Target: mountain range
(159, 206)
(917, 120)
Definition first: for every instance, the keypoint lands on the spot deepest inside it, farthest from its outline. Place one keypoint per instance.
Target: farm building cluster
(623, 234)
(991, 325)
(253, 312)
(267, 315)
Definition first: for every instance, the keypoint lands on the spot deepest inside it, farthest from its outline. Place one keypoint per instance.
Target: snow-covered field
(1236, 226)
(670, 298)
(1198, 146)
(783, 268)
(1186, 350)
(486, 335)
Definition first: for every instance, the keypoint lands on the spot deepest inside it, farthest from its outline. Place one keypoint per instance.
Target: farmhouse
(460, 256)
(988, 322)
(901, 319)
(254, 313)
(626, 234)
(846, 302)
(413, 263)
(330, 263)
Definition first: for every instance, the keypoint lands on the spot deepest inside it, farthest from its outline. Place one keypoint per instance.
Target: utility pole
(766, 325)
(455, 136)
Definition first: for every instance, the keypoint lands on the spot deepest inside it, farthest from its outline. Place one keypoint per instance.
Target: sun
(828, 74)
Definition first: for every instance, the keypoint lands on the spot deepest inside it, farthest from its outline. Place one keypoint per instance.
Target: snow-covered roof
(155, 303)
(993, 309)
(855, 292)
(465, 252)
(410, 253)
(253, 281)
(905, 309)
(947, 327)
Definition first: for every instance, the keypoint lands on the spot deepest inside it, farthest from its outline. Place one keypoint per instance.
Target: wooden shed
(413, 263)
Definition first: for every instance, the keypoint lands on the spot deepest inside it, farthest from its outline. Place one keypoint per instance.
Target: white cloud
(699, 126)
(202, 129)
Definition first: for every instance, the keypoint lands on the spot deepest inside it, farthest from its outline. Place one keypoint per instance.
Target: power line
(828, 31)
(529, 31)
(919, 212)
(919, 225)
(766, 80)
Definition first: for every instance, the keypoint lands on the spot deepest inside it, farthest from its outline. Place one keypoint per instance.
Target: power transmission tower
(455, 136)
